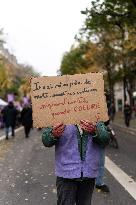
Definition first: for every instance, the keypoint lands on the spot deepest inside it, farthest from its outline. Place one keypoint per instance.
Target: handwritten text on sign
(68, 99)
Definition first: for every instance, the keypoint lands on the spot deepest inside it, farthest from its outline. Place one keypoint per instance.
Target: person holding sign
(77, 149)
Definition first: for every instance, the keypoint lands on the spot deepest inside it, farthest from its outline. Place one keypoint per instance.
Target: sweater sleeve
(47, 138)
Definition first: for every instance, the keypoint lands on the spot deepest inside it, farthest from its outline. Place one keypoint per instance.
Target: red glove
(87, 126)
(58, 129)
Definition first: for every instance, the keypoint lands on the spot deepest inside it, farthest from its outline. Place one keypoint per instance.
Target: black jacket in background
(127, 110)
(9, 114)
(26, 117)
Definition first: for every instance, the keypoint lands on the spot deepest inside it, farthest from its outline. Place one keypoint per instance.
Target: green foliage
(73, 61)
(109, 15)
(114, 23)
(13, 78)
(80, 59)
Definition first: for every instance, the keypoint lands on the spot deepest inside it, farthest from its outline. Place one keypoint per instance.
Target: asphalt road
(27, 171)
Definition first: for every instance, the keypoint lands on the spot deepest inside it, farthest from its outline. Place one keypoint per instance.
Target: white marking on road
(54, 191)
(128, 130)
(17, 130)
(46, 185)
(126, 181)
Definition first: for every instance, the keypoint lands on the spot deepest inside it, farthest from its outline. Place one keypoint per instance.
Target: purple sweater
(68, 163)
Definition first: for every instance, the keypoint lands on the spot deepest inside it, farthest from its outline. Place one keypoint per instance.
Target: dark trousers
(71, 192)
(12, 130)
(127, 120)
(27, 129)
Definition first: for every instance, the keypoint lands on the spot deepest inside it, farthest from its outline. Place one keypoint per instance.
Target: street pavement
(27, 171)
(120, 122)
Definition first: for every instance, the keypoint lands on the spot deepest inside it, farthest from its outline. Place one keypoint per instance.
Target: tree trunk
(124, 88)
(130, 92)
(110, 84)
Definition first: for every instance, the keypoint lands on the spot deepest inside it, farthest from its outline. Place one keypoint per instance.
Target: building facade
(119, 96)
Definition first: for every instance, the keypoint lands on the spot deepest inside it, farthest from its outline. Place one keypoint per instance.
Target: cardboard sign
(68, 99)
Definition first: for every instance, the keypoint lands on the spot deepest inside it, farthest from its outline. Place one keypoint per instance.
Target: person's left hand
(87, 126)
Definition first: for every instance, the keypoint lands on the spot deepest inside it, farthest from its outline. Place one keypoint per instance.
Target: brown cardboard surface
(68, 99)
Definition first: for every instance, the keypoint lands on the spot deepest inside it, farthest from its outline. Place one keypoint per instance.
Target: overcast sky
(38, 32)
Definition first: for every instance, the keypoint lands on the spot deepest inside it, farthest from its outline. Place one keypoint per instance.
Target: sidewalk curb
(126, 129)
(16, 130)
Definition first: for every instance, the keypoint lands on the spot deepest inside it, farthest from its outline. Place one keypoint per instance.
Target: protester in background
(9, 114)
(76, 159)
(99, 183)
(127, 113)
(26, 119)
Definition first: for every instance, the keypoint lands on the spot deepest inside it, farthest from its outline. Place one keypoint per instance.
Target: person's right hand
(58, 129)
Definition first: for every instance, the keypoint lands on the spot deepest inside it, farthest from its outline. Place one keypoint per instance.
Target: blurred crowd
(13, 116)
